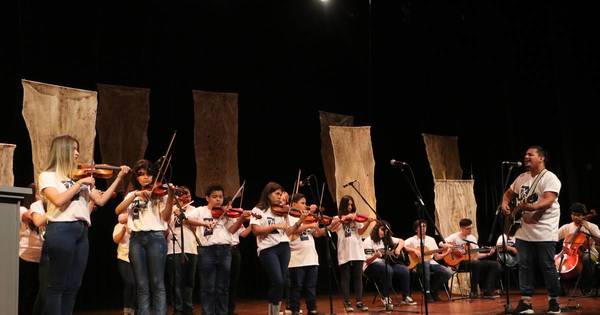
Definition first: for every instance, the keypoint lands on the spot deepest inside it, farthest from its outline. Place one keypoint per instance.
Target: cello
(567, 262)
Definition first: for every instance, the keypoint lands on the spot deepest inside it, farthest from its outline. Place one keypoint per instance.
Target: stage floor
(587, 305)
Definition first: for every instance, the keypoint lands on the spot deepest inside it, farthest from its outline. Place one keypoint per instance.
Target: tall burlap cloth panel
(7, 177)
(330, 119)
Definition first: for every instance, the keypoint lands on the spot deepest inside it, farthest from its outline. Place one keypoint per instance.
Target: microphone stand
(422, 214)
(505, 268)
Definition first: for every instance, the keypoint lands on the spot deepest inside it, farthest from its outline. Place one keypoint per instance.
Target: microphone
(517, 164)
(350, 183)
(398, 163)
(469, 242)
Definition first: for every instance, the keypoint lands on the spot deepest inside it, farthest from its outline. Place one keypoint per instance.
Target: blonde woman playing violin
(66, 239)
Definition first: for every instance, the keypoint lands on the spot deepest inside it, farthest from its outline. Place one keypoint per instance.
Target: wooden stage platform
(587, 305)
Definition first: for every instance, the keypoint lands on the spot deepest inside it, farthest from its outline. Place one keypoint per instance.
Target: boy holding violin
(580, 235)
(304, 260)
(215, 235)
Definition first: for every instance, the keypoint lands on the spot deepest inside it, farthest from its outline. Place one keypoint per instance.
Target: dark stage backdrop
(500, 75)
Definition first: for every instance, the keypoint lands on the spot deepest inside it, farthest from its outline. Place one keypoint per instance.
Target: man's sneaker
(553, 307)
(389, 307)
(408, 301)
(361, 307)
(348, 307)
(523, 308)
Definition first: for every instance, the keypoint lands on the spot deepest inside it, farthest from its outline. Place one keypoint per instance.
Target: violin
(311, 218)
(280, 210)
(96, 170)
(234, 213)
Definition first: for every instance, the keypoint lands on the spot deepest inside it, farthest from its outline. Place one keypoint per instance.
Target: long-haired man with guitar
(470, 257)
(537, 192)
(580, 229)
(441, 273)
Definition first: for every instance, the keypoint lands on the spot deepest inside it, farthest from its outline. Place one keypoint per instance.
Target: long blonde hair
(60, 158)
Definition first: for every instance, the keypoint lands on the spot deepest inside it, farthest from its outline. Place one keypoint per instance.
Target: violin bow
(165, 161)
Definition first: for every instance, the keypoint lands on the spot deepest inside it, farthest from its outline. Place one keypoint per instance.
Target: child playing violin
(304, 261)
(66, 239)
(272, 240)
(147, 219)
(351, 254)
(215, 251)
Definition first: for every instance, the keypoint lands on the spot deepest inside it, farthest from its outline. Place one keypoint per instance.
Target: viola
(567, 262)
(96, 170)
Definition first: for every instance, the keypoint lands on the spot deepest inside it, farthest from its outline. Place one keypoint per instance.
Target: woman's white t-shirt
(123, 246)
(276, 236)
(350, 245)
(76, 209)
(370, 247)
(144, 215)
(30, 241)
(302, 249)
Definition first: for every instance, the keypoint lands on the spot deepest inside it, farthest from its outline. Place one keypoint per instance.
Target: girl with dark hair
(147, 220)
(66, 244)
(272, 240)
(376, 247)
(350, 251)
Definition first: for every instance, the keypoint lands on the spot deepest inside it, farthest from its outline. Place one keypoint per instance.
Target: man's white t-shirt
(429, 242)
(546, 229)
(190, 245)
(302, 249)
(219, 234)
(350, 245)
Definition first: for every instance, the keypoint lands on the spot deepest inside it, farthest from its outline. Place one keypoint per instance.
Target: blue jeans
(352, 269)
(303, 278)
(440, 275)
(66, 250)
(147, 254)
(377, 272)
(182, 274)
(215, 269)
(543, 252)
(275, 260)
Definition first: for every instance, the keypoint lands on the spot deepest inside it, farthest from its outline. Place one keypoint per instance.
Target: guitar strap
(536, 181)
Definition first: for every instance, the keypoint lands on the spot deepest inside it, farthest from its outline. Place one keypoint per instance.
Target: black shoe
(553, 307)
(430, 298)
(473, 295)
(523, 308)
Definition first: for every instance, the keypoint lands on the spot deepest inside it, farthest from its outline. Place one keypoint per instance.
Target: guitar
(414, 260)
(387, 254)
(517, 215)
(506, 257)
(455, 257)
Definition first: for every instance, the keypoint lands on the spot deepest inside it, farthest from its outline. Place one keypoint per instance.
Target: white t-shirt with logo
(570, 228)
(123, 246)
(546, 229)
(458, 239)
(429, 242)
(30, 241)
(190, 245)
(510, 241)
(303, 250)
(144, 215)
(76, 209)
(349, 242)
(370, 247)
(276, 236)
(219, 235)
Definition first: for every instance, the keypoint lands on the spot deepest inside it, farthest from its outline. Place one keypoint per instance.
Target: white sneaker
(408, 301)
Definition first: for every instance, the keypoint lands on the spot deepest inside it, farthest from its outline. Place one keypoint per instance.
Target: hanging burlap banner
(353, 156)
(215, 140)
(50, 111)
(122, 124)
(7, 177)
(454, 198)
(331, 119)
(444, 160)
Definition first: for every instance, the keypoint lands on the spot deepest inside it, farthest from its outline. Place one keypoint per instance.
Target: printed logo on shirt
(68, 184)
(208, 231)
(304, 236)
(137, 206)
(523, 192)
(271, 221)
(347, 230)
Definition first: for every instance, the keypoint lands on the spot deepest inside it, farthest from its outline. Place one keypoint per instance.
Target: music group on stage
(159, 231)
